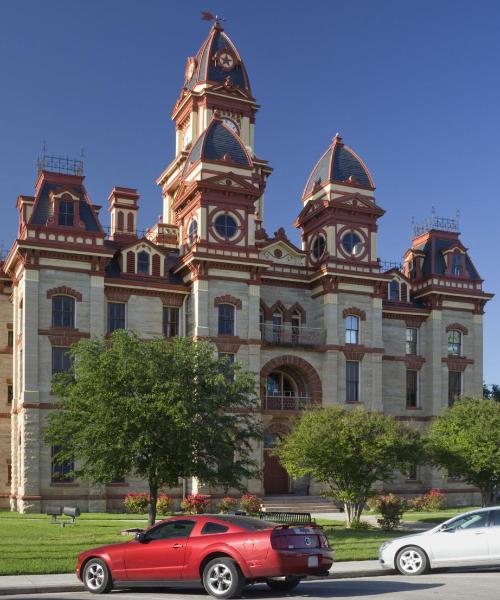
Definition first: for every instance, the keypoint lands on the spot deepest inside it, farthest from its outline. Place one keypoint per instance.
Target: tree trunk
(153, 493)
(487, 496)
(353, 511)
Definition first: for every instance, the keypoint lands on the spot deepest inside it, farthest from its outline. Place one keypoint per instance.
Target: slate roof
(217, 142)
(433, 249)
(207, 70)
(338, 164)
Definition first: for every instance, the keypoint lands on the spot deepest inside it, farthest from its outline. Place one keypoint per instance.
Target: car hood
(105, 549)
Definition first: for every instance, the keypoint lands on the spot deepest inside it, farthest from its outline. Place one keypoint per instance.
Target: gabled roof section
(208, 69)
(339, 164)
(55, 183)
(218, 143)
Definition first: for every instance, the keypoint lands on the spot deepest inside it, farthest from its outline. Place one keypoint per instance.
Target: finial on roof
(337, 138)
(208, 16)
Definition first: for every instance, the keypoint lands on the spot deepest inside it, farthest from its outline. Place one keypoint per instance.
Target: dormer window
(394, 290)
(66, 212)
(456, 265)
(143, 263)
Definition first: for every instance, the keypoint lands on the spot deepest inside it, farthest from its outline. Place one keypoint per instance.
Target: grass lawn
(437, 516)
(30, 544)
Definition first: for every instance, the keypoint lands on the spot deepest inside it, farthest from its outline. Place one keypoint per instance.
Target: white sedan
(472, 538)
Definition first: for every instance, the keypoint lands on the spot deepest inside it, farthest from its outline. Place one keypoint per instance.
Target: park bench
(286, 518)
(56, 510)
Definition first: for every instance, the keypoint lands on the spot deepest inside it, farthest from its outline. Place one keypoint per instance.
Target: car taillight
(324, 541)
(279, 542)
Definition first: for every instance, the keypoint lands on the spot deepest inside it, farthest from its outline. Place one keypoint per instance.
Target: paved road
(483, 585)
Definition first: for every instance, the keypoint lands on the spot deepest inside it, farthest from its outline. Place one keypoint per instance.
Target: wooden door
(276, 480)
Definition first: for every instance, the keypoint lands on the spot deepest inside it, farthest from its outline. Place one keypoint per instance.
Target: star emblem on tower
(225, 59)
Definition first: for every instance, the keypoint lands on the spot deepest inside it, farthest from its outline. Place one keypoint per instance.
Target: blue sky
(413, 87)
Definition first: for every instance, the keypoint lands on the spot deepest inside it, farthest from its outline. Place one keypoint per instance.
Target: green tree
(348, 450)
(465, 441)
(492, 392)
(161, 410)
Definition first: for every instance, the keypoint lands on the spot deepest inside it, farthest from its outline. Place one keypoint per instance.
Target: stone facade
(324, 324)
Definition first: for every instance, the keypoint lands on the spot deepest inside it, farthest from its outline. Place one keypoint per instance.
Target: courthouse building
(326, 323)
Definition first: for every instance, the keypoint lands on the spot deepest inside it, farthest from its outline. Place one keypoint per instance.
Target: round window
(193, 231)
(318, 246)
(226, 226)
(352, 243)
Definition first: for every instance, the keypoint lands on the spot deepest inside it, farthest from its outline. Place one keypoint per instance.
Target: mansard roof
(207, 69)
(218, 143)
(339, 164)
(434, 261)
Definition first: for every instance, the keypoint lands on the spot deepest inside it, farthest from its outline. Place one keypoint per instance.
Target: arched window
(63, 311)
(66, 212)
(351, 329)
(193, 232)
(226, 319)
(130, 223)
(454, 343)
(121, 224)
(143, 263)
(277, 326)
(296, 320)
(456, 265)
(394, 290)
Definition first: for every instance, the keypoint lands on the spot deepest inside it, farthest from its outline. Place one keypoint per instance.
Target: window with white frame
(351, 329)
(352, 381)
(454, 343)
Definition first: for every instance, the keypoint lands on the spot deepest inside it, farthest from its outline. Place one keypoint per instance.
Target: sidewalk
(68, 582)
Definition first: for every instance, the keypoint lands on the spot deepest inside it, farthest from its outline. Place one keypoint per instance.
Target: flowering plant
(391, 509)
(250, 503)
(163, 503)
(227, 503)
(432, 501)
(195, 504)
(136, 502)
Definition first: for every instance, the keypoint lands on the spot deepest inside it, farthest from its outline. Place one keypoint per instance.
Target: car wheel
(97, 577)
(222, 578)
(412, 560)
(283, 585)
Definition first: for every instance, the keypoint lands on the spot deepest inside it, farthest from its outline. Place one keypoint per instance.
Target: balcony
(291, 335)
(287, 402)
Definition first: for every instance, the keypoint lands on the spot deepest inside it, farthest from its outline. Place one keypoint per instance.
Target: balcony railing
(290, 335)
(286, 402)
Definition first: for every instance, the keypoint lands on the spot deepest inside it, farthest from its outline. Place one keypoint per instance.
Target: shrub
(431, 501)
(163, 504)
(362, 525)
(195, 504)
(391, 509)
(136, 503)
(250, 503)
(227, 503)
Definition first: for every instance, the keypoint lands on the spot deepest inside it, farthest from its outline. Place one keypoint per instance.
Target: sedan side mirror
(444, 527)
(141, 537)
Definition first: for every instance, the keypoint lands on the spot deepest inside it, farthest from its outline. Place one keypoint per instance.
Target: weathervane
(208, 16)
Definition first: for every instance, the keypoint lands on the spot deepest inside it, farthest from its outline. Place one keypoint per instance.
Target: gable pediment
(282, 252)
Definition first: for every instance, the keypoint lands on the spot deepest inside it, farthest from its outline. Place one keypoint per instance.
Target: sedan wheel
(223, 579)
(411, 561)
(96, 577)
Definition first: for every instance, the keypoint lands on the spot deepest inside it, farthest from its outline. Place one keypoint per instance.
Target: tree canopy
(348, 450)
(161, 410)
(465, 441)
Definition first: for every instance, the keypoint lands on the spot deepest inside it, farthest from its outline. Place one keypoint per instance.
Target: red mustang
(225, 552)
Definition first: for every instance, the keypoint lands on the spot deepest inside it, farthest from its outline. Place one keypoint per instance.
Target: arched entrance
(276, 479)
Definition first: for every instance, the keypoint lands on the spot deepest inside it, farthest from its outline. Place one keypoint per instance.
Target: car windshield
(473, 520)
(248, 523)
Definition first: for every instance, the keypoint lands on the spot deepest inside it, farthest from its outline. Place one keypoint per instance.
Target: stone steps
(292, 503)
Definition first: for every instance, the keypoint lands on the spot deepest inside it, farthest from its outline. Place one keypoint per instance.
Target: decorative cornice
(457, 363)
(117, 294)
(63, 290)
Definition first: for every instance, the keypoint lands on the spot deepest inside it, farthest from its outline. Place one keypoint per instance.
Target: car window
(471, 521)
(213, 528)
(248, 523)
(171, 529)
(495, 518)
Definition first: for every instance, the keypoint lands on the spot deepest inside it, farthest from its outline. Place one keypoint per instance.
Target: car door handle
(177, 545)
(480, 532)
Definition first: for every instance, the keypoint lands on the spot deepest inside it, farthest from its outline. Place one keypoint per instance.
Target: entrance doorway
(276, 479)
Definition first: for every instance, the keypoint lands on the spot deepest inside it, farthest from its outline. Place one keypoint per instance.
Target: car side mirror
(141, 537)
(444, 527)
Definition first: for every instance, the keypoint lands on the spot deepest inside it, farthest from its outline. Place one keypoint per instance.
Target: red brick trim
(457, 363)
(354, 352)
(117, 294)
(457, 327)
(63, 337)
(64, 291)
(411, 361)
(353, 311)
(300, 365)
(172, 299)
(227, 299)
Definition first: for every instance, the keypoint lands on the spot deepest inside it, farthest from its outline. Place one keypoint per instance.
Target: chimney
(123, 209)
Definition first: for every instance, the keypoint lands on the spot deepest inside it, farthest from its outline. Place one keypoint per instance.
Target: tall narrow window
(10, 338)
(226, 319)
(116, 316)
(454, 386)
(412, 472)
(61, 359)
(170, 321)
(352, 381)
(63, 311)
(10, 393)
(411, 340)
(227, 359)
(411, 389)
(456, 265)
(295, 328)
(351, 330)
(66, 212)
(261, 320)
(9, 473)
(277, 327)
(394, 290)
(143, 263)
(454, 343)
(192, 232)
(61, 470)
